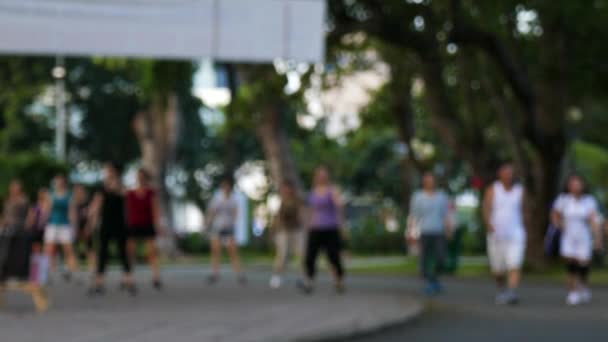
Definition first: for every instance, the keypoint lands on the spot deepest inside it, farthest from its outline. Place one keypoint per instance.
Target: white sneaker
(502, 298)
(573, 298)
(275, 282)
(585, 295)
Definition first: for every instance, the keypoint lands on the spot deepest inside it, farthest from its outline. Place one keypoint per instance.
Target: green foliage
(35, 171)
(592, 162)
(106, 93)
(369, 236)
(23, 79)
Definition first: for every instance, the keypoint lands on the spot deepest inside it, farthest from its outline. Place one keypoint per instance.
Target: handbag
(552, 243)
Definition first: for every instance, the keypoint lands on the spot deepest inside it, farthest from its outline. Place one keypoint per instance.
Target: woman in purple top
(326, 219)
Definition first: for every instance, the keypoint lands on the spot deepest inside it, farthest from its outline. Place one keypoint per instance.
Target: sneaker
(502, 298)
(438, 287)
(304, 287)
(157, 285)
(585, 295)
(275, 282)
(132, 290)
(96, 290)
(212, 279)
(430, 289)
(340, 288)
(512, 298)
(573, 298)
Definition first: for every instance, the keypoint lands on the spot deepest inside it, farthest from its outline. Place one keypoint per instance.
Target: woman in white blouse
(576, 214)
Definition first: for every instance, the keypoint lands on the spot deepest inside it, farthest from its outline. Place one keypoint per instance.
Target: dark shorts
(222, 233)
(38, 237)
(141, 232)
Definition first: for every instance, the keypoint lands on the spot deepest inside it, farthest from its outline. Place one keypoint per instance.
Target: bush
(369, 236)
(34, 171)
(193, 243)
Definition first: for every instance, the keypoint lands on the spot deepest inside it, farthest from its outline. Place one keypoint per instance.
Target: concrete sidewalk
(190, 310)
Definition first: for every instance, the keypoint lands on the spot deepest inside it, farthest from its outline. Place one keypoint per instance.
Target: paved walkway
(466, 312)
(190, 310)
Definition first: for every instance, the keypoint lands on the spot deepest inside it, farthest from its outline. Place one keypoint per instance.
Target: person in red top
(143, 220)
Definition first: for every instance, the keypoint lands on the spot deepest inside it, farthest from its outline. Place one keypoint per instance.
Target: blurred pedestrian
(506, 235)
(61, 224)
(576, 213)
(430, 210)
(84, 244)
(15, 209)
(36, 223)
(325, 220)
(37, 220)
(287, 230)
(221, 220)
(143, 221)
(108, 213)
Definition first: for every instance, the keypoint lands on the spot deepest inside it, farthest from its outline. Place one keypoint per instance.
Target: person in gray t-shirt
(429, 211)
(222, 218)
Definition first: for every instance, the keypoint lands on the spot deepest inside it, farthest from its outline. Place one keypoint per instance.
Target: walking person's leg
(441, 248)
(102, 260)
(125, 261)
(70, 257)
(216, 253)
(132, 250)
(514, 256)
(91, 256)
(427, 269)
(333, 250)
(154, 262)
(583, 275)
(235, 259)
(496, 255)
(310, 262)
(281, 240)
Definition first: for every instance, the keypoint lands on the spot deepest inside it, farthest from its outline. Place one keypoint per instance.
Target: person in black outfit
(83, 244)
(108, 213)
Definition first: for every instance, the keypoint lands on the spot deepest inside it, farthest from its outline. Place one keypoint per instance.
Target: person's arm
(235, 213)
(94, 212)
(596, 228)
(30, 218)
(556, 217)
(211, 211)
(488, 202)
(595, 223)
(449, 218)
(339, 203)
(73, 214)
(2, 216)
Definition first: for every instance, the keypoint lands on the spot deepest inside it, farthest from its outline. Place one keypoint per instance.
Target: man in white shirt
(506, 239)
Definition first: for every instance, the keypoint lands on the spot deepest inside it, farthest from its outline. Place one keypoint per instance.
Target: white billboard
(229, 30)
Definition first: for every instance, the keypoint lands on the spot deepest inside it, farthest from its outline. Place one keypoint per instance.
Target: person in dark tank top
(107, 212)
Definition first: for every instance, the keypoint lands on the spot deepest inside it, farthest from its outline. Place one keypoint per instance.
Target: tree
(530, 97)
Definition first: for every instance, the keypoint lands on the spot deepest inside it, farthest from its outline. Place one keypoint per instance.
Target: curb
(359, 329)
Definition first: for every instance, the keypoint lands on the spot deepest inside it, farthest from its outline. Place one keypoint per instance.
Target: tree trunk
(157, 129)
(403, 115)
(275, 144)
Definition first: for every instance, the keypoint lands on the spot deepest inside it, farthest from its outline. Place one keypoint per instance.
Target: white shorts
(59, 234)
(505, 255)
(576, 246)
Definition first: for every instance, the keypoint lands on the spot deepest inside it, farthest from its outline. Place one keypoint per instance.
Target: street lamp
(59, 73)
